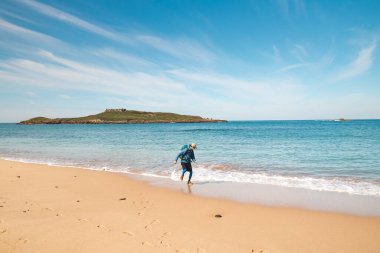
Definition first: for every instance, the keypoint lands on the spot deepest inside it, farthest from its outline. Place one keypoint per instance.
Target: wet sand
(57, 209)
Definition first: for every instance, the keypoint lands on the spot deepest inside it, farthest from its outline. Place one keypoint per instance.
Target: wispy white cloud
(180, 48)
(184, 49)
(273, 55)
(73, 20)
(27, 34)
(362, 63)
(50, 70)
(220, 82)
(27, 42)
(121, 58)
(14, 15)
(299, 52)
(326, 60)
(287, 7)
(294, 66)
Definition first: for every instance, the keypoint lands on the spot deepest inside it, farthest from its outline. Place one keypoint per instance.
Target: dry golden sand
(56, 209)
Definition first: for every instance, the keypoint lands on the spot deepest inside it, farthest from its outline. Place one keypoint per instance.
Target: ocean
(312, 155)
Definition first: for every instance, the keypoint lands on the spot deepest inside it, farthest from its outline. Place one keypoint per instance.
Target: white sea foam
(213, 173)
(205, 174)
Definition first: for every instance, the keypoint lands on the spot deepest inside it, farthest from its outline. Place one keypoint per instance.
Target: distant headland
(123, 116)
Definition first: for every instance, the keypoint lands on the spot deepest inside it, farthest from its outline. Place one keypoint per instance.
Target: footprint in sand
(128, 233)
(165, 234)
(149, 226)
(24, 240)
(154, 221)
(165, 244)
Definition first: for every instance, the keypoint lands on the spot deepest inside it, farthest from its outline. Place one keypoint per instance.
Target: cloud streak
(362, 63)
(293, 66)
(287, 5)
(184, 49)
(28, 34)
(73, 20)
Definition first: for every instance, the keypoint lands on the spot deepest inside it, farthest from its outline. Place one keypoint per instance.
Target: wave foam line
(208, 174)
(203, 174)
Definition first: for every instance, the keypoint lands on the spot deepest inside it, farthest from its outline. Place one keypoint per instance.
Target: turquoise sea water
(315, 155)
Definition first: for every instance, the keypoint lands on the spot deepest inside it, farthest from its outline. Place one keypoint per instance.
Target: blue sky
(236, 60)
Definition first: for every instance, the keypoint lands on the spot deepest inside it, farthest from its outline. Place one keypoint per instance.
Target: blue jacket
(187, 156)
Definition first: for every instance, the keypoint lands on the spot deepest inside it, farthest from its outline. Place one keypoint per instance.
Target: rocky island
(123, 116)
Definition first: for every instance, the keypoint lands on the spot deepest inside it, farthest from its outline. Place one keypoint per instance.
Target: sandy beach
(57, 209)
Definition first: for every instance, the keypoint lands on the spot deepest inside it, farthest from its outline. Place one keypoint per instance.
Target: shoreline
(254, 193)
(276, 196)
(60, 209)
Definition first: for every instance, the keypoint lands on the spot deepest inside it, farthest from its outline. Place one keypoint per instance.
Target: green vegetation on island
(123, 116)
